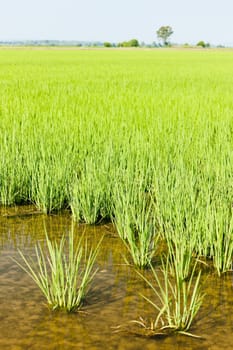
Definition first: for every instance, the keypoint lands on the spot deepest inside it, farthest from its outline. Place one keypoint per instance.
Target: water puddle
(27, 323)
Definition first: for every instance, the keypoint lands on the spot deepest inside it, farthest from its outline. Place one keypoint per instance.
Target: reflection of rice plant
(65, 281)
(179, 301)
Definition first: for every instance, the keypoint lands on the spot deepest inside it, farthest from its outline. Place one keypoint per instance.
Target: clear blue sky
(117, 20)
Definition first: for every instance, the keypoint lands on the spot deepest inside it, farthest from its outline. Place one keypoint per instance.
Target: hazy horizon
(102, 20)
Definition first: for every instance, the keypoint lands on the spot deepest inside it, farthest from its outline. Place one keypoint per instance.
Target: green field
(140, 137)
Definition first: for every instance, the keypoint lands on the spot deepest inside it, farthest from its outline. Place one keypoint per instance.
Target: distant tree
(133, 43)
(163, 33)
(201, 43)
(122, 44)
(107, 44)
(130, 43)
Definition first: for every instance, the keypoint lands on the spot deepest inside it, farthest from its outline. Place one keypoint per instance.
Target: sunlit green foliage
(63, 280)
(73, 122)
(178, 300)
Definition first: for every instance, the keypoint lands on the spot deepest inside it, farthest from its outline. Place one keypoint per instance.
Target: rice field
(141, 138)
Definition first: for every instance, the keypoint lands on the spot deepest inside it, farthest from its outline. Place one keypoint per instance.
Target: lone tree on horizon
(163, 33)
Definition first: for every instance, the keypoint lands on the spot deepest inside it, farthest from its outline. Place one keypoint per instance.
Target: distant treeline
(130, 43)
(74, 43)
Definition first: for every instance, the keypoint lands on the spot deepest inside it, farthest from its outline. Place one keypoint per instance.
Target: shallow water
(27, 323)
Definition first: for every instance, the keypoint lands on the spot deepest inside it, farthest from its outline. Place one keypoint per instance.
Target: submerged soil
(27, 323)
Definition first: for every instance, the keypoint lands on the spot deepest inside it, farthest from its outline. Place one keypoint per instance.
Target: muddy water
(27, 323)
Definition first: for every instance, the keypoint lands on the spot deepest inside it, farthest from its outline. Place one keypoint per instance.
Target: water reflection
(27, 323)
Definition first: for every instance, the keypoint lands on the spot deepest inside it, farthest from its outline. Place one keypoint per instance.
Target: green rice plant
(64, 281)
(87, 199)
(223, 239)
(13, 172)
(214, 241)
(176, 302)
(77, 124)
(134, 219)
(90, 193)
(180, 254)
(178, 223)
(51, 176)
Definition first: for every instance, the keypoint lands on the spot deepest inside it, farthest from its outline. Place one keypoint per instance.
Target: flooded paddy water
(27, 323)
